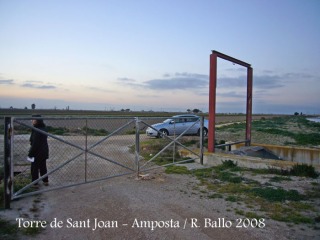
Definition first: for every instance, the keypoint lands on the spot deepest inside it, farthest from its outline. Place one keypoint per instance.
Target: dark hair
(39, 121)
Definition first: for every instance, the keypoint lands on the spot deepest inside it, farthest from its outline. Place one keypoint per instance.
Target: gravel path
(161, 207)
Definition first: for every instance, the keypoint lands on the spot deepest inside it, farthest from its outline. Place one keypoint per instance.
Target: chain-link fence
(83, 150)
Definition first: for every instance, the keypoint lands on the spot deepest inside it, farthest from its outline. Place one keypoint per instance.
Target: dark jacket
(39, 145)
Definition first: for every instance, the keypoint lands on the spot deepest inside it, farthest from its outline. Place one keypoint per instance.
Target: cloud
(263, 84)
(227, 82)
(268, 72)
(240, 69)
(303, 77)
(129, 82)
(175, 84)
(99, 89)
(262, 94)
(149, 96)
(262, 81)
(29, 85)
(202, 92)
(269, 82)
(191, 75)
(278, 81)
(7, 82)
(166, 75)
(232, 94)
(125, 80)
(178, 81)
(37, 85)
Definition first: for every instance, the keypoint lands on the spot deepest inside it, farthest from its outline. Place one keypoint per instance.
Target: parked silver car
(177, 125)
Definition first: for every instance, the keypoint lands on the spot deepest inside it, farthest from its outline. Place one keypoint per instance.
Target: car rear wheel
(205, 132)
(163, 132)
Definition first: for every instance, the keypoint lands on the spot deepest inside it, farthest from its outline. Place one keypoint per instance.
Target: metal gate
(85, 150)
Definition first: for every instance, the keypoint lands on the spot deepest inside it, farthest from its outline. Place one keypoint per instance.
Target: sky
(154, 54)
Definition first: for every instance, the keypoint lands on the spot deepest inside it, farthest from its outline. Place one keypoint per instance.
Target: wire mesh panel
(80, 150)
(170, 141)
(83, 150)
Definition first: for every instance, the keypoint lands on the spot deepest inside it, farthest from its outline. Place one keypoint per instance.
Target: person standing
(39, 150)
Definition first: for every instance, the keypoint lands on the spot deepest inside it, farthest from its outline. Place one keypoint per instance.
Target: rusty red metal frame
(212, 97)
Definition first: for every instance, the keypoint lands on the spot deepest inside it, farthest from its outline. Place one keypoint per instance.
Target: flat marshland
(258, 203)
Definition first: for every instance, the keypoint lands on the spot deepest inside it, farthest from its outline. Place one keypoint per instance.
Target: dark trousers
(39, 166)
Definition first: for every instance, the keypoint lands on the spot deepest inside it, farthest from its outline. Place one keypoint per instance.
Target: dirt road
(163, 207)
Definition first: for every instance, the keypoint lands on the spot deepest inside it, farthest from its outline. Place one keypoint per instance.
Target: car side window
(192, 119)
(180, 120)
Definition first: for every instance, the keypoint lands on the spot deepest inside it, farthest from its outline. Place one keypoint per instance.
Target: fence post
(86, 153)
(137, 151)
(7, 162)
(201, 139)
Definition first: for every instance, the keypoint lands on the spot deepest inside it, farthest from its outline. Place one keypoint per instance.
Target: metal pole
(201, 139)
(86, 153)
(174, 143)
(212, 101)
(137, 152)
(249, 106)
(7, 162)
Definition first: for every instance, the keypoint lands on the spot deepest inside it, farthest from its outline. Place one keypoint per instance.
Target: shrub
(8, 230)
(307, 138)
(304, 170)
(277, 195)
(229, 177)
(228, 164)
(56, 130)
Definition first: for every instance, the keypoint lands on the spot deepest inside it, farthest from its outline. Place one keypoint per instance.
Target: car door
(180, 125)
(192, 123)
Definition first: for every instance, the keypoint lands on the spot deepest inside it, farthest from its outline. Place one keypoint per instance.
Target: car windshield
(168, 120)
